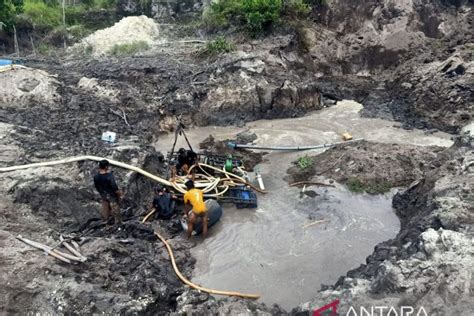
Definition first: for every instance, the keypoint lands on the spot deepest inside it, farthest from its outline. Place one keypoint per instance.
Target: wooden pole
(15, 42)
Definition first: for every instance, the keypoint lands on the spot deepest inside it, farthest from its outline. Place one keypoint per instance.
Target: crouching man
(164, 203)
(193, 198)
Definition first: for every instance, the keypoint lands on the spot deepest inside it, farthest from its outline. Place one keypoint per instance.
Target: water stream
(271, 250)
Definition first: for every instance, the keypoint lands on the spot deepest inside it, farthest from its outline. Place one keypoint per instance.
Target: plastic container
(109, 137)
(5, 62)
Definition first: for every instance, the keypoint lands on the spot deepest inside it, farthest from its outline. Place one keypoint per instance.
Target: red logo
(327, 310)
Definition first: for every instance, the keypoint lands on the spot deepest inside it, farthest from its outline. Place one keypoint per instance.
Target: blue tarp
(5, 62)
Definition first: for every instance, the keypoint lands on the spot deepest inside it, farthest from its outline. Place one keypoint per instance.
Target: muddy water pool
(272, 250)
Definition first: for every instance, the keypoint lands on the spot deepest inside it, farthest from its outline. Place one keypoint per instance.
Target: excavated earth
(407, 61)
(371, 165)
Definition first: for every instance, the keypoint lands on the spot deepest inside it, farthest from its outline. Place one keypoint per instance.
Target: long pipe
(207, 188)
(233, 145)
(197, 287)
(81, 158)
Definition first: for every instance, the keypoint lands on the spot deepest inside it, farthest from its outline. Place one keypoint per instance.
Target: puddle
(268, 250)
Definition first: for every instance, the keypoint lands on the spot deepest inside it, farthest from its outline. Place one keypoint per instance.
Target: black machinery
(242, 195)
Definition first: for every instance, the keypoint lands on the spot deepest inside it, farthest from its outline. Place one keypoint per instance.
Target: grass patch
(129, 48)
(373, 187)
(88, 50)
(78, 31)
(216, 47)
(304, 162)
(44, 49)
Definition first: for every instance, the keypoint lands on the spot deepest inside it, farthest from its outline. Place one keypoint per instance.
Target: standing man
(105, 184)
(194, 198)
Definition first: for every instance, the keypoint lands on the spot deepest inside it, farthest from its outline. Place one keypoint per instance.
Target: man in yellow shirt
(194, 198)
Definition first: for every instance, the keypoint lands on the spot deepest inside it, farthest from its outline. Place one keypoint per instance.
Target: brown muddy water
(270, 250)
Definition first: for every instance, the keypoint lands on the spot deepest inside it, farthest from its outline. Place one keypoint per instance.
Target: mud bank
(367, 166)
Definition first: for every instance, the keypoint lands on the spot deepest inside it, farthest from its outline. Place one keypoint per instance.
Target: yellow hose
(236, 177)
(211, 186)
(148, 215)
(81, 158)
(197, 287)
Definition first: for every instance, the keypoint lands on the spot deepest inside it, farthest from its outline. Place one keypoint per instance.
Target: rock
(246, 137)
(468, 130)
(453, 65)
(406, 85)
(101, 90)
(129, 7)
(254, 65)
(265, 95)
(168, 10)
(328, 101)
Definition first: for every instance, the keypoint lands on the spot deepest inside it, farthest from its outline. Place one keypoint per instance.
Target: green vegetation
(44, 48)
(305, 162)
(99, 4)
(296, 8)
(256, 16)
(8, 11)
(47, 15)
(260, 15)
(301, 35)
(129, 48)
(88, 50)
(78, 31)
(216, 47)
(41, 15)
(373, 187)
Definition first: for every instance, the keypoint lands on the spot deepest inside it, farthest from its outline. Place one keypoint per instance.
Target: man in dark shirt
(185, 160)
(164, 203)
(105, 184)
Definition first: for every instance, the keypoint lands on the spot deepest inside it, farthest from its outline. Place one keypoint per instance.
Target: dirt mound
(21, 85)
(126, 31)
(366, 166)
